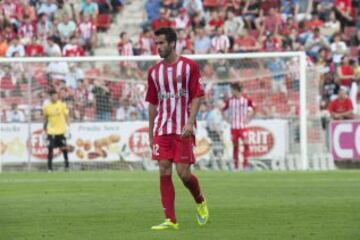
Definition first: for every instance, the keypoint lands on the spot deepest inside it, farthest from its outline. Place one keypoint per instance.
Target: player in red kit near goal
(241, 110)
(174, 94)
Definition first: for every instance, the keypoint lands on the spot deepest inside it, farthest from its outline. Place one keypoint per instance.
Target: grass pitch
(124, 205)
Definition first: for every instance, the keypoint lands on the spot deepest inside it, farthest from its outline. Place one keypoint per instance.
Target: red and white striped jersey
(125, 49)
(182, 44)
(220, 43)
(86, 29)
(171, 87)
(182, 22)
(239, 108)
(82, 95)
(10, 10)
(27, 31)
(147, 46)
(71, 50)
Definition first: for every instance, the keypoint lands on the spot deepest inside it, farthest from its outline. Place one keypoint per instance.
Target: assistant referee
(56, 121)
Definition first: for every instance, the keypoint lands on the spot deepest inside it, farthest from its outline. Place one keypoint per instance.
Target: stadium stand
(328, 30)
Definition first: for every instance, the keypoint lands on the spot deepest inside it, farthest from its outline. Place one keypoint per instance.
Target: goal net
(108, 130)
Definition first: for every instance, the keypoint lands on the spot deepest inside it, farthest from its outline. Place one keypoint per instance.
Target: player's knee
(164, 169)
(184, 175)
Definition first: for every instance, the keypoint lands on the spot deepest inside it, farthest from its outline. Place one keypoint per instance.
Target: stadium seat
(254, 33)
(92, 72)
(210, 3)
(41, 78)
(103, 21)
(257, 98)
(293, 96)
(35, 101)
(252, 85)
(282, 109)
(278, 98)
(89, 113)
(24, 87)
(12, 100)
(247, 73)
(116, 89)
(354, 52)
(349, 32)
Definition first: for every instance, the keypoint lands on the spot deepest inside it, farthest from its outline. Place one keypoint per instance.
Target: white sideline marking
(156, 179)
(71, 180)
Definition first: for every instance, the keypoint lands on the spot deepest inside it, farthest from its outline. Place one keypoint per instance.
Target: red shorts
(238, 133)
(173, 147)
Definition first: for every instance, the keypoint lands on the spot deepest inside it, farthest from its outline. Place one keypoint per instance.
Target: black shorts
(56, 141)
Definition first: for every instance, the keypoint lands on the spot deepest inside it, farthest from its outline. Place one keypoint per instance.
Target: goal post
(303, 112)
(106, 134)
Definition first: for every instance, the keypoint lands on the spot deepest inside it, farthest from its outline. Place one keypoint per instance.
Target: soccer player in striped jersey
(241, 110)
(174, 94)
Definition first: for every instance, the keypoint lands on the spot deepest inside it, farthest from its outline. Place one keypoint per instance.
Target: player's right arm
(67, 119)
(45, 119)
(152, 115)
(66, 114)
(331, 109)
(251, 111)
(226, 106)
(152, 99)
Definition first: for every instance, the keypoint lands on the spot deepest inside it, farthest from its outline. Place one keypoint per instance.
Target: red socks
(168, 194)
(246, 156)
(194, 188)
(236, 155)
(168, 197)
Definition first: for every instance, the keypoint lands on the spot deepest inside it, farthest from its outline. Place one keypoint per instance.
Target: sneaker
(202, 213)
(168, 224)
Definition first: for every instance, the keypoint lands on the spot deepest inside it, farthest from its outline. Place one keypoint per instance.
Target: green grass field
(123, 205)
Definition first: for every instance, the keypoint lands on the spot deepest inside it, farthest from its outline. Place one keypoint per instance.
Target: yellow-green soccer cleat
(168, 224)
(202, 213)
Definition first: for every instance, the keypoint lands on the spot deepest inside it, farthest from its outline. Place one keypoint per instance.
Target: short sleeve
(349, 105)
(226, 106)
(196, 88)
(251, 104)
(331, 107)
(151, 94)
(45, 110)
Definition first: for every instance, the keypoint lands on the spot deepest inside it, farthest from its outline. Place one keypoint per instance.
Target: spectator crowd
(327, 30)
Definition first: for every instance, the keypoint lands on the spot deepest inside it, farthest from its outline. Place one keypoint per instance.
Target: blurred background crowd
(327, 30)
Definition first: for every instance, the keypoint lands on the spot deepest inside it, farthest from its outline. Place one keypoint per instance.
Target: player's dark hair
(122, 34)
(352, 62)
(170, 34)
(52, 92)
(237, 86)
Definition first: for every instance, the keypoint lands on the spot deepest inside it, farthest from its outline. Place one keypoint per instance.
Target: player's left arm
(66, 114)
(194, 109)
(346, 115)
(251, 110)
(45, 119)
(349, 113)
(196, 95)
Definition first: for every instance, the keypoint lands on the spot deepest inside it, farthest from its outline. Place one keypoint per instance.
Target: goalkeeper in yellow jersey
(56, 121)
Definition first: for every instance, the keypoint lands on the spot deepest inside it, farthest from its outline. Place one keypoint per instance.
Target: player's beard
(165, 53)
